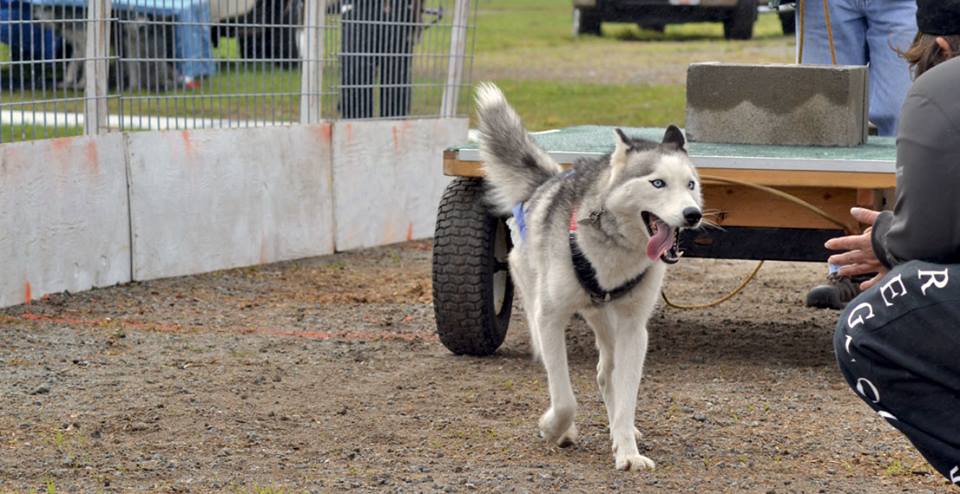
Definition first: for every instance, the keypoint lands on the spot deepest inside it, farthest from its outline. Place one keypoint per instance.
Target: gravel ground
(325, 374)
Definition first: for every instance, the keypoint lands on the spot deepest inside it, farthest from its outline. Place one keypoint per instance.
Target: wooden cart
(744, 184)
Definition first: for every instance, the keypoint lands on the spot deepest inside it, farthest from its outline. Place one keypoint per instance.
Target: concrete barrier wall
(64, 217)
(215, 199)
(85, 212)
(388, 178)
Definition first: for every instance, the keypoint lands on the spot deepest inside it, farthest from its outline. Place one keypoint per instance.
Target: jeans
(866, 32)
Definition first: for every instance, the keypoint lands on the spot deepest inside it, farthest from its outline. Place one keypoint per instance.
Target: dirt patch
(325, 375)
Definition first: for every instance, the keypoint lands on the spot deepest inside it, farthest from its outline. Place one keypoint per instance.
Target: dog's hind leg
(556, 424)
(629, 352)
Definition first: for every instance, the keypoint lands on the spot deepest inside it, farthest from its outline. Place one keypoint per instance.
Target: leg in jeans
(891, 26)
(898, 347)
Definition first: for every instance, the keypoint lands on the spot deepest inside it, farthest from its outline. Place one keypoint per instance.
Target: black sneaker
(835, 294)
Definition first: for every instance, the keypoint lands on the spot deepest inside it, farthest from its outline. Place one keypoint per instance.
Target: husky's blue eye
(658, 183)
(691, 185)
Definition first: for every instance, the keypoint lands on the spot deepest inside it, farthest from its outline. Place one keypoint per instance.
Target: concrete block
(388, 178)
(803, 105)
(64, 220)
(205, 200)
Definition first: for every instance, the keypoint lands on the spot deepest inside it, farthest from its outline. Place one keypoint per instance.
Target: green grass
(549, 105)
(4, 53)
(11, 133)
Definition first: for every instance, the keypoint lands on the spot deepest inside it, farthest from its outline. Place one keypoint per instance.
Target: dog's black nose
(692, 215)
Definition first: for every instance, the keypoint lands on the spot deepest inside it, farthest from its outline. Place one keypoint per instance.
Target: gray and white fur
(628, 207)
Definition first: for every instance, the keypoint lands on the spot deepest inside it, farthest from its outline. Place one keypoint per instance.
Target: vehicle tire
(276, 40)
(472, 289)
(739, 25)
(586, 21)
(788, 21)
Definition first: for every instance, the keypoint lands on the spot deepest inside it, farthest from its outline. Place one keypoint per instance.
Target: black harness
(587, 276)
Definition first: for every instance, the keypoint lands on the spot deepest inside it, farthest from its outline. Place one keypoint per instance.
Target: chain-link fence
(71, 67)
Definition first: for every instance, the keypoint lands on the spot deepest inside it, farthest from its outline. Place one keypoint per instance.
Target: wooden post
(458, 49)
(311, 73)
(96, 66)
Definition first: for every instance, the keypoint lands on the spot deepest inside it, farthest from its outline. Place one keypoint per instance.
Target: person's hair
(925, 53)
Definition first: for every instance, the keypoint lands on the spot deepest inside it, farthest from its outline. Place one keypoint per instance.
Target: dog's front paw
(550, 429)
(568, 438)
(634, 462)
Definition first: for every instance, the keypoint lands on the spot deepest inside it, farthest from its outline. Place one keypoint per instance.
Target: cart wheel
(472, 289)
(739, 25)
(586, 21)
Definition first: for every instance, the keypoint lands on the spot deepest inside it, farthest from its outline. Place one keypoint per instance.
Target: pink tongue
(660, 242)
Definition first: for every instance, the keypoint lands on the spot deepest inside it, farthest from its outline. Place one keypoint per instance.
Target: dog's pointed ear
(618, 160)
(673, 137)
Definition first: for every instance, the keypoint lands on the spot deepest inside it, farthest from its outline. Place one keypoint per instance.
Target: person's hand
(858, 257)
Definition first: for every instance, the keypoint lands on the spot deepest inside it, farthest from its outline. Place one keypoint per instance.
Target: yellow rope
(801, 7)
(720, 300)
(826, 17)
(708, 179)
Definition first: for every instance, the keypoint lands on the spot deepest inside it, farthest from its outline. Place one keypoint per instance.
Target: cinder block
(802, 105)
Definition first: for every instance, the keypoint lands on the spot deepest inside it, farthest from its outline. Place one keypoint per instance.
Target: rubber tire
(739, 25)
(788, 22)
(464, 265)
(586, 21)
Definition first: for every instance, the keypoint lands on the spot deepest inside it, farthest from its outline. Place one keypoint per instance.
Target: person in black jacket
(378, 37)
(898, 342)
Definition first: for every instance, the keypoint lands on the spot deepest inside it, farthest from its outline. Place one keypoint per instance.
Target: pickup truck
(738, 16)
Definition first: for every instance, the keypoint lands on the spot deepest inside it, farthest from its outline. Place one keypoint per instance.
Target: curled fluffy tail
(514, 165)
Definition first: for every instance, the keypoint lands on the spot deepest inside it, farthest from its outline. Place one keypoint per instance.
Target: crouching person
(898, 342)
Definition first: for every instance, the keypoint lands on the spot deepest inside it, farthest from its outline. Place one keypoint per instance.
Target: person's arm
(925, 222)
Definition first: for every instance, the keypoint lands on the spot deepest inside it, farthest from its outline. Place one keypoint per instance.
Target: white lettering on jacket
(938, 279)
(887, 415)
(863, 391)
(891, 289)
(860, 318)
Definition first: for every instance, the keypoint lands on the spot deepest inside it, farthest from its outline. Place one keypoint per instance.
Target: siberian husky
(594, 240)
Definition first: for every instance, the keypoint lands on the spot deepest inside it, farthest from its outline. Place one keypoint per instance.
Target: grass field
(629, 76)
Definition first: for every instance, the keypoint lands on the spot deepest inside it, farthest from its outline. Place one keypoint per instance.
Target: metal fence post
(311, 65)
(458, 47)
(96, 66)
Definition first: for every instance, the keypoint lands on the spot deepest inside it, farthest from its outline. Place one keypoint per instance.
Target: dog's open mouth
(664, 240)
